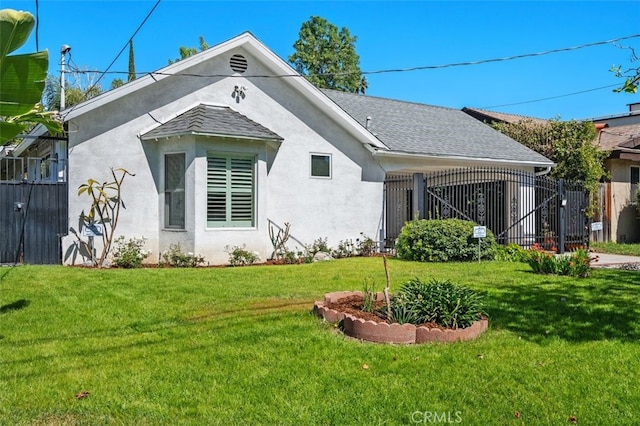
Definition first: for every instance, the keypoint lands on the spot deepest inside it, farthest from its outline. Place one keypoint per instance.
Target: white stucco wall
(625, 225)
(338, 208)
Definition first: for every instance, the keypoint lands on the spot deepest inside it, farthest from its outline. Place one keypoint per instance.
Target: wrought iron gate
(517, 206)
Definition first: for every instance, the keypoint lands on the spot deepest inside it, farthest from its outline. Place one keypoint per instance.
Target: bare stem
(387, 300)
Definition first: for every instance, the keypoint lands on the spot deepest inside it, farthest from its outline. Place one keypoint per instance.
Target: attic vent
(238, 63)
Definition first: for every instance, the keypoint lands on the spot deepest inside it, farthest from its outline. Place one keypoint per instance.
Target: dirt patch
(353, 305)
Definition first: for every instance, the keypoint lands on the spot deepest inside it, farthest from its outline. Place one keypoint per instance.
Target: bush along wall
(443, 240)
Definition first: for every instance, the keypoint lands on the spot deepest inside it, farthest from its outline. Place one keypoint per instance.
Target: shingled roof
(421, 129)
(622, 141)
(492, 116)
(212, 121)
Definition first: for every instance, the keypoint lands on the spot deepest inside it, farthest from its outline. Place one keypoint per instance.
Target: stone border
(382, 332)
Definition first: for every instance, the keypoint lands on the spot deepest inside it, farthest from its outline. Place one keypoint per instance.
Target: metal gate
(33, 218)
(517, 206)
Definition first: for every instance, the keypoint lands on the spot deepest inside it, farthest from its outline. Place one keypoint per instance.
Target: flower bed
(385, 332)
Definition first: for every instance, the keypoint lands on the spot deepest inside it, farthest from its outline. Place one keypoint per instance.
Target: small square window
(321, 165)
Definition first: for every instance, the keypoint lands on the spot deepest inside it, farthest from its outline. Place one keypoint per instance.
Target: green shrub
(346, 248)
(318, 245)
(512, 253)
(240, 256)
(443, 240)
(440, 302)
(366, 246)
(129, 254)
(176, 258)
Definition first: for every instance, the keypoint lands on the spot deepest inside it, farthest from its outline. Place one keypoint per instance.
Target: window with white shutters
(230, 191)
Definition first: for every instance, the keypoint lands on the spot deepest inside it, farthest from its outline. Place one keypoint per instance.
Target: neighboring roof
(620, 137)
(492, 116)
(427, 130)
(212, 121)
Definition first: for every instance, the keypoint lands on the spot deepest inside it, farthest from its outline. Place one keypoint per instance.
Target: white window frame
(168, 191)
(320, 154)
(228, 190)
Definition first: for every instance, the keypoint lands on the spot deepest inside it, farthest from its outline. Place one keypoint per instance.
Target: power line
(384, 71)
(506, 58)
(392, 70)
(120, 53)
(550, 97)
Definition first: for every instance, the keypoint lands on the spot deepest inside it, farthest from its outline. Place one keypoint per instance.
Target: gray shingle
(429, 130)
(214, 121)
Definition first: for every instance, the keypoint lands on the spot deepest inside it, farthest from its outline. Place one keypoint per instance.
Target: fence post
(418, 196)
(563, 222)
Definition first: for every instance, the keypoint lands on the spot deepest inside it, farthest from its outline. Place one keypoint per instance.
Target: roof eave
(218, 135)
(505, 162)
(39, 130)
(152, 77)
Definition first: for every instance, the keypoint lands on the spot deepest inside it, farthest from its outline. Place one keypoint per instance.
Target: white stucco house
(231, 141)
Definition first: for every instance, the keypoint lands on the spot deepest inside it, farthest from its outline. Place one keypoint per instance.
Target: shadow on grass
(15, 306)
(606, 307)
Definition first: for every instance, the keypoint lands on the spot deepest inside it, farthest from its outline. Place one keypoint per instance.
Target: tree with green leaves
(79, 87)
(132, 64)
(22, 78)
(116, 82)
(327, 56)
(631, 76)
(185, 52)
(569, 144)
(631, 82)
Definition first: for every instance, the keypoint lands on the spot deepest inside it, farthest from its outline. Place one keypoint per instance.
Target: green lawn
(617, 248)
(239, 346)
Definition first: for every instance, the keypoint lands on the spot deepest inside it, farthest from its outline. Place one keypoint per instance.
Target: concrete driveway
(606, 260)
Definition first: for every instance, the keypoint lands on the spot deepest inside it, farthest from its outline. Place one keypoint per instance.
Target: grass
(617, 248)
(239, 346)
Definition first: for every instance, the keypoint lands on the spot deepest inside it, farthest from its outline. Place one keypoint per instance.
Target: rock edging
(382, 332)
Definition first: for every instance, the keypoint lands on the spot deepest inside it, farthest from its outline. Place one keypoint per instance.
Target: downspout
(544, 171)
(599, 128)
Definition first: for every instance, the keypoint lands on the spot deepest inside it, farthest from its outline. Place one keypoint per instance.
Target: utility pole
(63, 51)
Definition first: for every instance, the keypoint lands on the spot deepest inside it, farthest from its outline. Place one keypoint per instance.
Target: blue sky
(391, 35)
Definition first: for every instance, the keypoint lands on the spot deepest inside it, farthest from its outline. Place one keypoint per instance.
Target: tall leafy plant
(103, 215)
(22, 78)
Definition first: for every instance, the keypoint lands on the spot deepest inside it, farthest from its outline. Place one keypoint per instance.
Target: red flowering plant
(576, 264)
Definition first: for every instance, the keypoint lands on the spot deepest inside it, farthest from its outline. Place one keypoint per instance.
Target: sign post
(595, 227)
(479, 232)
(90, 231)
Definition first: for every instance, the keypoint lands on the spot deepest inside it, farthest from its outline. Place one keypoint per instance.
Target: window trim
(229, 222)
(183, 190)
(320, 154)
